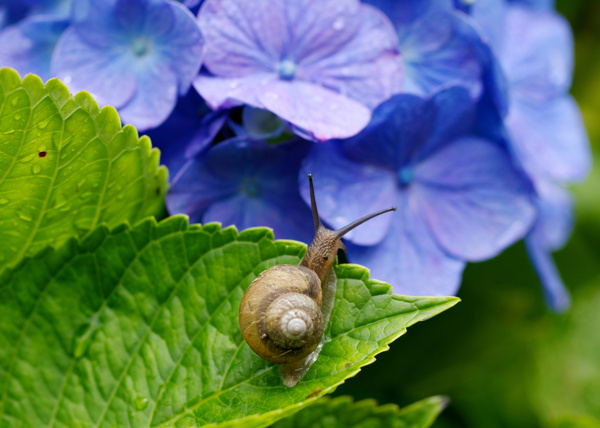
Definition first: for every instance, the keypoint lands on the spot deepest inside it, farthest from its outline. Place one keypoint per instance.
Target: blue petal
(554, 222)
(347, 190)
(322, 113)
(409, 258)
(555, 293)
(136, 55)
(540, 4)
(549, 139)
(28, 45)
(537, 53)
(472, 198)
(399, 126)
(105, 73)
(436, 49)
(247, 183)
(321, 66)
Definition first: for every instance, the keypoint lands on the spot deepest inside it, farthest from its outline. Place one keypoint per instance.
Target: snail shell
(286, 308)
(289, 299)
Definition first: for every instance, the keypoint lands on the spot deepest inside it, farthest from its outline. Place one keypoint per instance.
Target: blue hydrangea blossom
(321, 65)
(136, 55)
(458, 196)
(28, 45)
(439, 48)
(247, 183)
(543, 123)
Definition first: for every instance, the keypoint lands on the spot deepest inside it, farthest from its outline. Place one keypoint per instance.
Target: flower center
(405, 176)
(140, 47)
(251, 190)
(287, 69)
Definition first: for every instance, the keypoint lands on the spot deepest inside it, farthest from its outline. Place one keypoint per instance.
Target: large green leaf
(66, 166)
(139, 327)
(343, 413)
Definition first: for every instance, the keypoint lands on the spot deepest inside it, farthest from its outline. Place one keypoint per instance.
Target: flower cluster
(456, 112)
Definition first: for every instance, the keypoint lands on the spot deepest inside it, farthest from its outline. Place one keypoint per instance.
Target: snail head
(321, 253)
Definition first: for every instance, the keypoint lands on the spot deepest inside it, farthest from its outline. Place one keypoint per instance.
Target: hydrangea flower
(28, 45)
(458, 196)
(136, 55)
(321, 65)
(439, 48)
(189, 129)
(543, 123)
(247, 183)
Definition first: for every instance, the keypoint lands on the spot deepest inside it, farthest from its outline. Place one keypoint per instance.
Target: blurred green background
(502, 358)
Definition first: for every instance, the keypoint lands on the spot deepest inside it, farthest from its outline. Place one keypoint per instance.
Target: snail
(285, 310)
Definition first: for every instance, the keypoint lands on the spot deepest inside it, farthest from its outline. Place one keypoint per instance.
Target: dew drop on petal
(339, 24)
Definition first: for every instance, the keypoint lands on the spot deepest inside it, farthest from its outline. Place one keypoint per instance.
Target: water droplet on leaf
(141, 403)
(36, 169)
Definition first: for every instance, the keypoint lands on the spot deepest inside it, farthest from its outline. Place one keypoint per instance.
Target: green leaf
(139, 327)
(343, 413)
(66, 167)
(577, 421)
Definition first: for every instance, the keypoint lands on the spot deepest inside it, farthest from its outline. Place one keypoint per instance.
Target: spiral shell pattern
(290, 320)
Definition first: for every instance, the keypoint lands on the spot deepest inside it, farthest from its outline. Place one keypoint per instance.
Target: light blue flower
(136, 55)
(28, 45)
(320, 65)
(459, 198)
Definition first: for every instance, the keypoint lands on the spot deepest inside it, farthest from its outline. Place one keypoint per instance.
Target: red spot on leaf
(42, 154)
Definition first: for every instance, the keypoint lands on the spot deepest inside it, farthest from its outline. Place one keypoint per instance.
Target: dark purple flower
(321, 65)
(439, 48)
(458, 196)
(136, 55)
(246, 183)
(28, 46)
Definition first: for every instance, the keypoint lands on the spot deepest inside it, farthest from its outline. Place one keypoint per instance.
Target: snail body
(286, 309)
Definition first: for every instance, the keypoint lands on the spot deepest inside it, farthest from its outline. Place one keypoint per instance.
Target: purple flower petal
(554, 222)
(28, 45)
(347, 190)
(475, 203)
(247, 183)
(321, 66)
(367, 68)
(133, 54)
(537, 53)
(555, 293)
(549, 139)
(399, 126)
(409, 258)
(107, 75)
(438, 50)
(323, 113)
